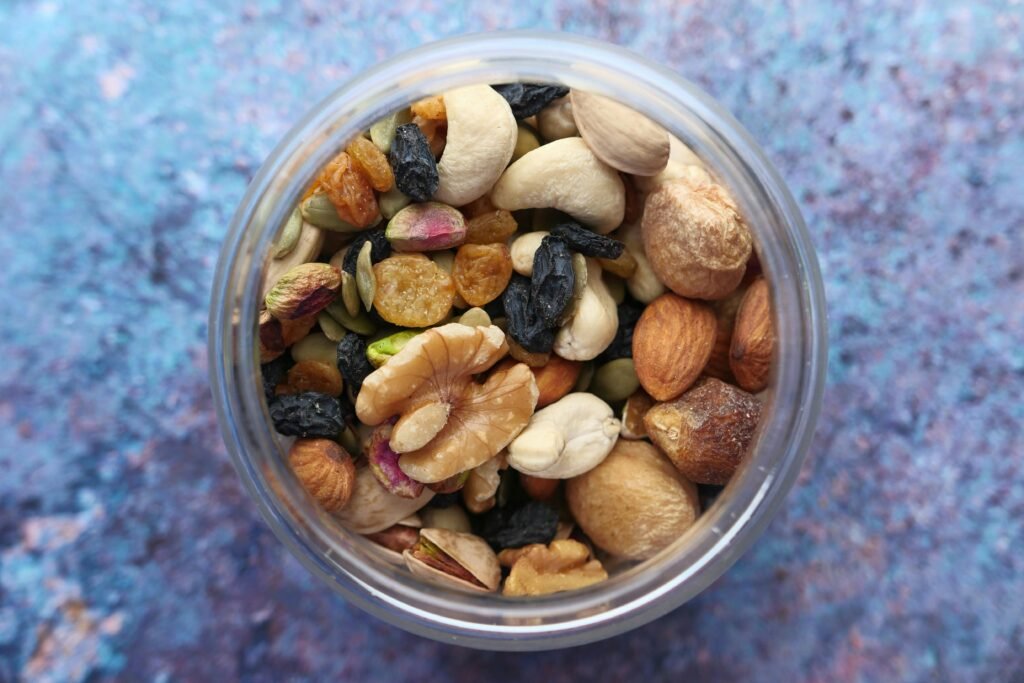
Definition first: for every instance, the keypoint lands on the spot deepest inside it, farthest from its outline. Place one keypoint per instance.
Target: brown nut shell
(750, 352)
(707, 431)
(325, 470)
(635, 503)
(672, 342)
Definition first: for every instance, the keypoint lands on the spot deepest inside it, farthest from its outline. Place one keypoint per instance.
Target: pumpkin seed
(349, 293)
(360, 324)
(366, 281)
(392, 201)
(475, 317)
(330, 327)
(615, 380)
(319, 211)
(285, 244)
(382, 133)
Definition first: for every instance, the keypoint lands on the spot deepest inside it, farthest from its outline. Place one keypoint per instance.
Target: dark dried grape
(553, 280)
(526, 99)
(274, 373)
(413, 163)
(524, 325)
(622, 346)
(308, 415)
(380, 250)
(352, 362)
(587, 242)
(534, 522)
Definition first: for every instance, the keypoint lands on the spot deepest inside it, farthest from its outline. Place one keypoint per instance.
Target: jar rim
(722, 533)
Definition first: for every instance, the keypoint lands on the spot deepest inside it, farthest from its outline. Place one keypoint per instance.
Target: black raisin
(380, 250)
(526, 99)
(274, 373)
(534, 522)
(309, 414)
(553, 280)
(622, 345)
(524, 325)
(587, 242)
(413, 163)
(352, 362)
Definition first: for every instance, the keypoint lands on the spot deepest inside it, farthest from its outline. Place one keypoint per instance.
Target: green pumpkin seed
(615, 380)
(285, 244)
(366, 280)
(318, 210)
(330, 327)
(382, 133)
(349, 293)
(585, 378)
(360, 324)
(475, 317)
(393, 201)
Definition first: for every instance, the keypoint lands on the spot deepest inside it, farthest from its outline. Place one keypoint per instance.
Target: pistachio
(350, 292)
(318, 210)
(619, 136)
(426, 227)
(382, 132)
(285, 244)
(393, 201)
(453, 518)
(380, 351)
(277, 335)
(366, 281)
(373, 509)
(615, 380)
(316, 346)
(304, 290)
(311, 241)
(395, 540)
(360, 324)
(325, 470)
(455, 559)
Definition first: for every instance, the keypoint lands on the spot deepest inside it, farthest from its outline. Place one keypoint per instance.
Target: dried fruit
(706, 432)
(750, 354)
(426, 227)
(308, 415)
(563, 565)
(615, 380)
(412, 291)
(380, 251)
(325, 470)
(352, 362)
(635, 503)
(430, 108)
(436, 133)
(629, 312)
(487, 228)
(273, 373)
(437, 367)
(527, 99)
(524, 324)
(620, 136)
(555, 379)
(303, 291)
(451, 558)
(633, 413)
(372, 162)
(413, 163)
(672, 342)
(312, 375)
(588, 243)
(695, 239)
(481, 272)
(350, 192)
(383, 463)
(553, 280)
(534, 522)
(380, 351)
(532, 359)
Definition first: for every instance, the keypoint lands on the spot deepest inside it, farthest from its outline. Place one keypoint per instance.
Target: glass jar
(353, 566)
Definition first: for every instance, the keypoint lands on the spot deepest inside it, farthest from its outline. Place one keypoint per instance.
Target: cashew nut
(592, 327)
(682, 163)
(482, 135)
(523, 248)
(564, 175)
(643, 285)
(556, 120)
(569, 437)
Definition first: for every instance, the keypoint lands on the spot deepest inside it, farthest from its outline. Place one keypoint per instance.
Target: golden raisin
(372, 162)
(430, 108)
(487, 228)
(350, 192)
(478, 207)
(314, 375)
(436, 133)
(481, 272)
(412, 291)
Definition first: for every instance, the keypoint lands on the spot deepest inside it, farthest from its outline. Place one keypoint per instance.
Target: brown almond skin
(725, 320)
(325, 470)
(539, 488)
(753, 338)
(556, 379)
(695, 239)
(705, 432)
(672, 342)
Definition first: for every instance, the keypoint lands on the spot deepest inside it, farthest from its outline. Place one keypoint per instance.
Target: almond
(725, 319)
(672, 342)
(619, 136)
(556, 379)
(539, 488)
(750, 353)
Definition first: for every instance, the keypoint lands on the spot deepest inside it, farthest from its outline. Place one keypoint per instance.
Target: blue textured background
(128, 132)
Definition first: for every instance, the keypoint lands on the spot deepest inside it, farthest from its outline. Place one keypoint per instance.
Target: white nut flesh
(682, 163)
(643, 284)
(481, 137)
(556, 121)
(564, 175)
(592, 327)
(523, 249)
(569, 437)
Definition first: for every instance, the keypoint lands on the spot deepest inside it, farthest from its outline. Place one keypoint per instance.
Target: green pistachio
(381, 350)
(615, 380)
(319, 211)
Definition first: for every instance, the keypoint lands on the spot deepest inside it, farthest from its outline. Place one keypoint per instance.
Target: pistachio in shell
(452, 558)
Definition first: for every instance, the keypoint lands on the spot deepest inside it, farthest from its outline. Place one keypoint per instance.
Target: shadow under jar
(354, 566)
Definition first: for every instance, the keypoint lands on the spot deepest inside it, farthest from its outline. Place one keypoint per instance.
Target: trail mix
(518, 334)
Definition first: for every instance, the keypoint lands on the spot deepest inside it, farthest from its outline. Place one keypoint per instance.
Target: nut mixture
(512, 329)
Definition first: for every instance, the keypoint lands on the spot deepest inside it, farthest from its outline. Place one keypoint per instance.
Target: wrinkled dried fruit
(325, 470)
(527, 99)
(430, 108)
(553, 280)
(308, 415)
(383, 462)
(487, 228)
(350, 192)
(380, 251)
(430, 226)
(534, 522)
(672, 342)
(372, 162)
(413, 163)
(273, 373)
(381, 350)
(564, 565)
(312, 375)
(706, 432)
(303, 291)
(587, 242)
(524, 324)
(412, 291)
(622, 346)
(481, 272)
(351, 360)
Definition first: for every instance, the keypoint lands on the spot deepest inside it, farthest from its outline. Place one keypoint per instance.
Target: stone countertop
(128, 549)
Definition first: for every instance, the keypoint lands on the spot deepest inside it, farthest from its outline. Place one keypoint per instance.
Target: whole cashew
(523, 248)
(567, 176)
(682, 163)
(556, 120)
(482, 135)
(592, 327)
(569, 437)
(643, 285)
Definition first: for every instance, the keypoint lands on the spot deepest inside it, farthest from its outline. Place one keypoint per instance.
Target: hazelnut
(325, 470)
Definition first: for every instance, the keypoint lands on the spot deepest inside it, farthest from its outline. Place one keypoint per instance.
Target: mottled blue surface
(128, 132)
